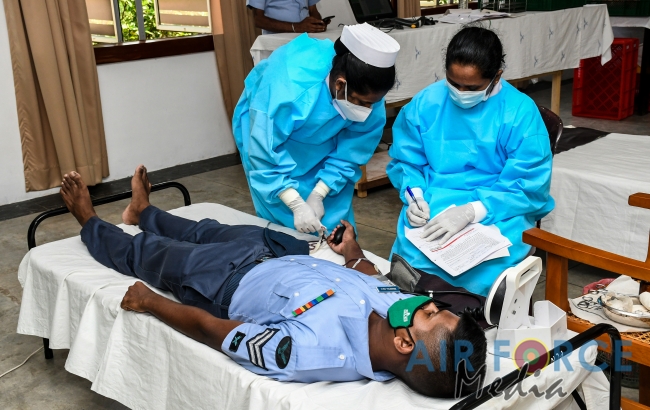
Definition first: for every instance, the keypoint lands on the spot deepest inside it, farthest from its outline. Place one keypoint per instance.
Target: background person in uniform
(292, 318)
(310, 115)
(287, 16)
(476, 142)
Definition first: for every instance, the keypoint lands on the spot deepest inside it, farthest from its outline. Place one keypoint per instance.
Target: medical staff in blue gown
(310, 115)
(476, 142)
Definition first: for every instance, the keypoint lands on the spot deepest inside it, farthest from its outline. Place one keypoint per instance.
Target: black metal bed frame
(31, 232)
(469, 402)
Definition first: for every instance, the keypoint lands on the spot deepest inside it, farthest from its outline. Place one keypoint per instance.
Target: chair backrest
(553, 124)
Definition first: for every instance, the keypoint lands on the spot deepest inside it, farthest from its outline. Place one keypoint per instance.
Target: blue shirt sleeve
(258, 4)
(523, 187)
(354, 147)
(313, 2)
(264, 350)
(407, 151)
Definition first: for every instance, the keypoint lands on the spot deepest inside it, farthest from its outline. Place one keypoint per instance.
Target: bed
(73, 301)
(591, 185)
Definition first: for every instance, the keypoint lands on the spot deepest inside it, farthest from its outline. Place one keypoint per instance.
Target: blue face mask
(468, 99)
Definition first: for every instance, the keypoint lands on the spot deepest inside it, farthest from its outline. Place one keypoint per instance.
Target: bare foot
(140, 199)
(77, 198)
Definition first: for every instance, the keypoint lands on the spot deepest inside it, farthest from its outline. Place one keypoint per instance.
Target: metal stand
(31, 232)
(46, 349)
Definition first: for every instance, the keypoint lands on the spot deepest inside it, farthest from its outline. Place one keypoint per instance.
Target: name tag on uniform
(387, 289)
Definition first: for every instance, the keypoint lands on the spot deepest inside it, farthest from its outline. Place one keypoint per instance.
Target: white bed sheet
(144, 364)
(591, 185)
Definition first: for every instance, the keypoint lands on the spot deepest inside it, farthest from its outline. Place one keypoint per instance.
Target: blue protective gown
(290, 135)
(497, 152)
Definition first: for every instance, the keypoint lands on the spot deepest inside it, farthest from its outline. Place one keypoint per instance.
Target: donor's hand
(136, 297)
(348, 242)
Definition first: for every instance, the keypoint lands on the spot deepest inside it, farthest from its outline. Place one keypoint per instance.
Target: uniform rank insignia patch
(283, 352)
(255, 345)
(236, 341)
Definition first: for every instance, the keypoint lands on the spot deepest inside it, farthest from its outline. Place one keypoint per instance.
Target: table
(643, 98)
(591, 185)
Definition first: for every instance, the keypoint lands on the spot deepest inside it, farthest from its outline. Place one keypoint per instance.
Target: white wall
(163, 112)
(159, 112)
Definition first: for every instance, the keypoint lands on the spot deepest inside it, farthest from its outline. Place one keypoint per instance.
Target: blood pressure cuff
(446, 296)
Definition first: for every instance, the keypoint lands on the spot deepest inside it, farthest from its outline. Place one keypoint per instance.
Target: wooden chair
(558, 253)
(554, 126)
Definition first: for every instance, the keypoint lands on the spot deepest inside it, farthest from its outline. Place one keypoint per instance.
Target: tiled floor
(46, 384)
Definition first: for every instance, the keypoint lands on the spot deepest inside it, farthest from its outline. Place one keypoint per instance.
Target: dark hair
(442, 381)
(362, 78)
(476, 46)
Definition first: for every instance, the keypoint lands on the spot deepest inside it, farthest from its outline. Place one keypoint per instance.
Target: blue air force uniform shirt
(306, 321)
(291, 11)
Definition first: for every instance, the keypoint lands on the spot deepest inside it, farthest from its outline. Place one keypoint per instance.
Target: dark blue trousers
(201, 263)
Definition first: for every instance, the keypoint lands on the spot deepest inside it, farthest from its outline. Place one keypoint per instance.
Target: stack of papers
(469, 247)
(469, 16)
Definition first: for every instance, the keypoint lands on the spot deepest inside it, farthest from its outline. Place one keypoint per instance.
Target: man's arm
(189, 320)
(313, 12)
(351, 250)
(309, 25)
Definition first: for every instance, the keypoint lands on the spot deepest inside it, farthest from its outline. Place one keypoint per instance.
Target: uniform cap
(370, 45)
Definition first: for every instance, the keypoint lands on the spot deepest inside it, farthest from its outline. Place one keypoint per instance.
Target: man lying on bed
(255, 295)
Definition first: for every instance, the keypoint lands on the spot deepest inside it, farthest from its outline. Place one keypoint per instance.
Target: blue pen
(408, 189)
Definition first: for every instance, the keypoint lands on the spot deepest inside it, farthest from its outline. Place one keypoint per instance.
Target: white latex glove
(413, 213)
(315, 199)
(304, 217)
(449, 223)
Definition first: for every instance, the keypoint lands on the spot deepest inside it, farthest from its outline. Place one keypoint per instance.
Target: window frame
(140, 50)
(180, 28)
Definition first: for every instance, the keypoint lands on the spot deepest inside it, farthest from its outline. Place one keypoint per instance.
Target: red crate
(607, 91)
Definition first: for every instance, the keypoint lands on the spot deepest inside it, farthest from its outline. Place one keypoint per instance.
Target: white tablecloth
(139, 361)
(534, 43)
(630, 22)
(591, 185)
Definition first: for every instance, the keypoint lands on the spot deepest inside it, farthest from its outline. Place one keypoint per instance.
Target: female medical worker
(476, 142)
(309, 116)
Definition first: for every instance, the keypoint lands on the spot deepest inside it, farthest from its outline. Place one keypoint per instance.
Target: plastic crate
(607, 92)
(550, 5)
(625, 7)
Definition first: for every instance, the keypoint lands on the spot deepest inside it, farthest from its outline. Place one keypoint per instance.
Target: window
(117, 21)
(183, 15)
(104, 26)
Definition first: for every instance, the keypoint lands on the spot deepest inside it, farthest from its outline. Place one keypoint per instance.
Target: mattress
(139, 361)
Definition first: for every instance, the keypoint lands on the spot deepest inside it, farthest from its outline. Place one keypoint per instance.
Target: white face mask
(351, 111)
(468, 99)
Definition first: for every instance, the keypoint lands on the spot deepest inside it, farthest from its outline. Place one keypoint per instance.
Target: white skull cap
(370, 45)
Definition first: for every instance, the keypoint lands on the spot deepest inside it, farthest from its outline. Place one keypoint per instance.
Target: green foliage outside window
(129, 20)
